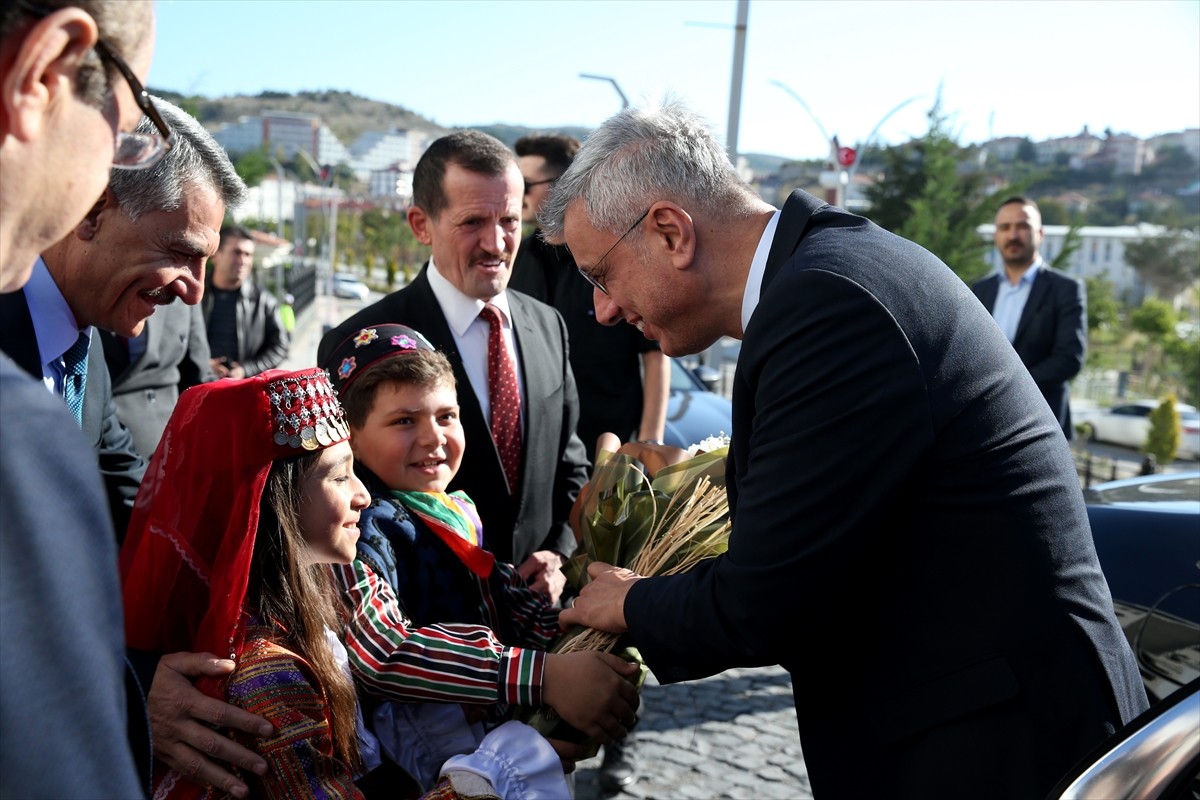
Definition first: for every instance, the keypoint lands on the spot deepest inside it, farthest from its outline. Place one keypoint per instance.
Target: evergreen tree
(924, 197)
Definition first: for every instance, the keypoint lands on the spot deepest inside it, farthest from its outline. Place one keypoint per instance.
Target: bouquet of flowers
(653, 524)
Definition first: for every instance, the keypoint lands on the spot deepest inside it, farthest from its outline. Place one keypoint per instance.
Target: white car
(349, 287)
(1129, 424)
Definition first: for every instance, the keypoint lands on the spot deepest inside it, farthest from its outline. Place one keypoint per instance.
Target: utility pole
(735, 83)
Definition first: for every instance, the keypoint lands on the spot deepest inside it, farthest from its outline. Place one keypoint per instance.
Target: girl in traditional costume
(249, 495)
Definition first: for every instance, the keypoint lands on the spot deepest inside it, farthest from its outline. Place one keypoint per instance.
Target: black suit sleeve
(62, 663)
(120, 463)
(1069, 313)
(839, 417)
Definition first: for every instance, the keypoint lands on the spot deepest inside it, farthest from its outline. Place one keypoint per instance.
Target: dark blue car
(1147, 534)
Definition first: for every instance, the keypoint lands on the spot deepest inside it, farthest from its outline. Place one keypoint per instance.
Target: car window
(681, 379)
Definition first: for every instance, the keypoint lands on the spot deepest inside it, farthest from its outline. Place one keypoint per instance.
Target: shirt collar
(758, 268)
(1027, 277)
(53, 321)
(459, 309)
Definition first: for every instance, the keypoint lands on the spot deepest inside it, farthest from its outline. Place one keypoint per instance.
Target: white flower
(710, 444)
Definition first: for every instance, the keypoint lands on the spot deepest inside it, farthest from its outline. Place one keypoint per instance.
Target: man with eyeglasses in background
(66, 692)
(624, 380)
(622, 377)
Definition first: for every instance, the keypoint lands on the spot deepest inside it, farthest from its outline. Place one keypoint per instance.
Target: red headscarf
(185, 562)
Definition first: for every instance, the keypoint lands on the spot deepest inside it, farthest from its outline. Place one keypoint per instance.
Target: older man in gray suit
(150, 370)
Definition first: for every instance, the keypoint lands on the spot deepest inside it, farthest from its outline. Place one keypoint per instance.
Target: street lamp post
(279, 292)
(735, 85)
(333, 205)
(615, 85)
(838, 177)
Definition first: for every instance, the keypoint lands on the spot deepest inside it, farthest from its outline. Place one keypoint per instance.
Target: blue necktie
(75, 363)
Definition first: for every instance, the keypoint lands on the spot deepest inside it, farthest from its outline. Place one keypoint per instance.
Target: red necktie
(504, 398)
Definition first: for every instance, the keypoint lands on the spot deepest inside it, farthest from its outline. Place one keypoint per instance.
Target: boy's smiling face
(412, 438)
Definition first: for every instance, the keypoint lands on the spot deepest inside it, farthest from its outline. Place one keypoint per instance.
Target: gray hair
(641, 156)
(195, 160)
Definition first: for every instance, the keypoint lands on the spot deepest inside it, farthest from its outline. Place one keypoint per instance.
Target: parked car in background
(1129, 424)
(349, 287)
(1147, 535)
(694, 411)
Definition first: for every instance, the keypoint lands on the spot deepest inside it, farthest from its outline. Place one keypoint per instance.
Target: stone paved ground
(729, 736)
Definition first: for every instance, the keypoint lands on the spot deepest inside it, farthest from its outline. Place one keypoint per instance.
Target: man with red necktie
(524, 464)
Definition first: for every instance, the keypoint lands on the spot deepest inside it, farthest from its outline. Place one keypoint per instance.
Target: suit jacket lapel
(1037, 293)
(988, 288)
(17, 336)
(533, 358)
(793, 221)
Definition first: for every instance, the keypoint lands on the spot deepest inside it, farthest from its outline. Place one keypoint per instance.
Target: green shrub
(1163, 440)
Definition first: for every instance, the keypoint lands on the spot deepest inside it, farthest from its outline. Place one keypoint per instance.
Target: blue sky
(1012, 67)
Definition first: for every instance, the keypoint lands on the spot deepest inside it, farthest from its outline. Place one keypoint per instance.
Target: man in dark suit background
(893, 480)
(467, 193)
(1042, 312)
(149, 371)
(62, 663)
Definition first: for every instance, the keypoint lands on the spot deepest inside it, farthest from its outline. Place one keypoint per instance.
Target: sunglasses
(530, 184)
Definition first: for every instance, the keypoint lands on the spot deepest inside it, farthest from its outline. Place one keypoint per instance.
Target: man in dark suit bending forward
(894, 480)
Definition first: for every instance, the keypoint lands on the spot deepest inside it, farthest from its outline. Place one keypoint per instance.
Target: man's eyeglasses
(530, 184)
(592, 279)
(137, 150)
(132, 150)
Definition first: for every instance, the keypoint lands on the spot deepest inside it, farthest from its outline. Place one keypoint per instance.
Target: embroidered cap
(369, 345)
(306, 412)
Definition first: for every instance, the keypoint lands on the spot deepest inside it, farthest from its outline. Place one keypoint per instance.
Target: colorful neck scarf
(452, 517)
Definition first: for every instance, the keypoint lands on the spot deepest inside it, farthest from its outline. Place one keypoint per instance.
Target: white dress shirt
(758, 268)
(1011, 300)
(471, 337)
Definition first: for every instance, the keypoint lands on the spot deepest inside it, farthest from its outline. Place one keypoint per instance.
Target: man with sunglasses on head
(62, 661)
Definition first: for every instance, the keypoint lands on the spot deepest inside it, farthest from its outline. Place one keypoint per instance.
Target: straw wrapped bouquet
(663, 524)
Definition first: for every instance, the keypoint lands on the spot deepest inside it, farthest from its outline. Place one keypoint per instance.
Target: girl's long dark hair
(298, 599)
